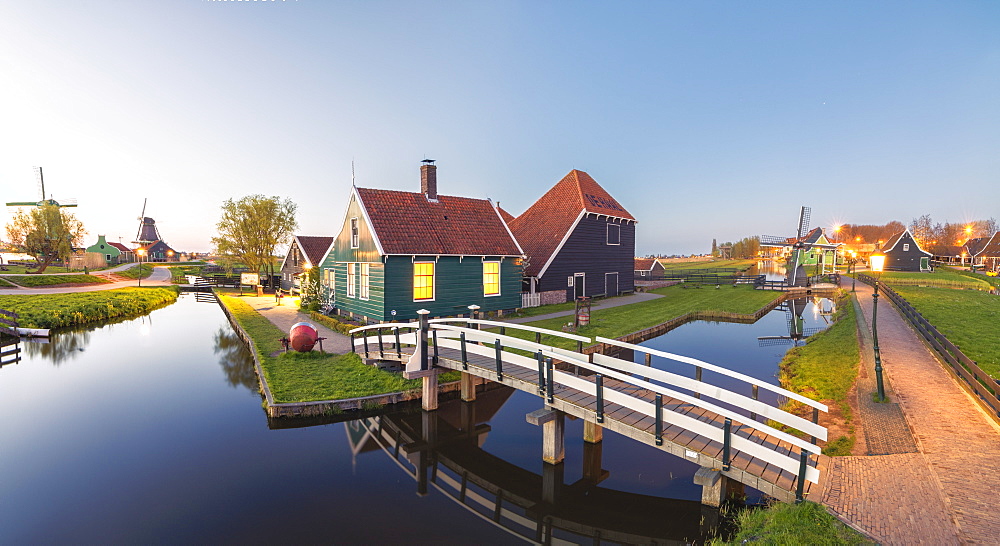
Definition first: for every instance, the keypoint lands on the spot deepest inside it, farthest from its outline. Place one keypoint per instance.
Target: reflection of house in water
(797, 331)
(442, 451)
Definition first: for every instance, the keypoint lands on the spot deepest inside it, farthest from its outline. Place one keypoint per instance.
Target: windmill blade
(141, 216)
(804, 216)
(768, 341)
(41, 183)
(773, 240)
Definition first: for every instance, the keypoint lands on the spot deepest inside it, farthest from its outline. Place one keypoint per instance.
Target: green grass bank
(35, 281)
(792, 524)
(312, 377)
(74, 309)
(825, 369)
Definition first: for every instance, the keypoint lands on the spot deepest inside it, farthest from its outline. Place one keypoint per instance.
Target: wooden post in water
(553, 433)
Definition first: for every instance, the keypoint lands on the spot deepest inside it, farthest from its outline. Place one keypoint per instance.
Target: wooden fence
(974, 379)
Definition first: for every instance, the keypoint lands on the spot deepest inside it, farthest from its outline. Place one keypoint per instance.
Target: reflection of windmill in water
(41, 193)
(796, 324)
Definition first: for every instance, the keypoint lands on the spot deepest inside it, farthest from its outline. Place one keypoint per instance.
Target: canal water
(151, 430)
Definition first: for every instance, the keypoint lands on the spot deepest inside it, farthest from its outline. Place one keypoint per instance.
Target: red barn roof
(542, 227)
(313, 247)
(410, 223)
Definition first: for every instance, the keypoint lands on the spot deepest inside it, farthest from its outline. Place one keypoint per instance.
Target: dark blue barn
(579, 241)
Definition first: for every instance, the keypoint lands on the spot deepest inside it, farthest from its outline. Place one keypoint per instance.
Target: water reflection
(773, 270)
(60, 347)
(235, 359)
(444, 452)
(10, 350)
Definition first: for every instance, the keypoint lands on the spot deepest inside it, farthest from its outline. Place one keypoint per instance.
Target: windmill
(147, 234)
(41, 192)
(796, 273)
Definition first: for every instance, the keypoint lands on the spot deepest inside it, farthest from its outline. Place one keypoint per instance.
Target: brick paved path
(945, 493)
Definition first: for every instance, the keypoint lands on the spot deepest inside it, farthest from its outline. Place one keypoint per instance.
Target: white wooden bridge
(732, 436)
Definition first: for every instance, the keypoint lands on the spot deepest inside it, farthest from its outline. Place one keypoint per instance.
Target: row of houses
(397, 252)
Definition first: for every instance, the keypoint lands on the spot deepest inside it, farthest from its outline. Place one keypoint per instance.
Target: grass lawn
(969, 318)
(742, 265)
(62, 310)
(803, 523)
(942, 276)
(310, 377)
(178, 272)
(22, 270)
(133, 272)
(824, 369)
(33, 281)
(676, 301)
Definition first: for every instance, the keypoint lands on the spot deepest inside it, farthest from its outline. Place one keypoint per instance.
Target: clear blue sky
(704, 119)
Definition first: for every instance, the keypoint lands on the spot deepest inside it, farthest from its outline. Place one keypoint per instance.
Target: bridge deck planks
(486, 367)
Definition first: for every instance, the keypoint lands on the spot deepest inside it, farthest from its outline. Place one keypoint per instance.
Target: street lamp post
(141, 252)
(877, 261)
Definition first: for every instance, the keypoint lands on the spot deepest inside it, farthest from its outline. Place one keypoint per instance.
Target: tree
(715, 249)
(47, 232)
(251, 228)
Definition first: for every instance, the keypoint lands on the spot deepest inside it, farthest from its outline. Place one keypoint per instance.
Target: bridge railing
(751, 403)
(394, 338)
(549, 377)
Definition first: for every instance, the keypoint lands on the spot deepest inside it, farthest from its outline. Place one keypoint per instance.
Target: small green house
(112, 255)
(818, 250)
(397, 252)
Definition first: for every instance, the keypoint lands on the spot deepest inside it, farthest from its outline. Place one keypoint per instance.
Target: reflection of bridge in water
(443, 450)
(727, 433)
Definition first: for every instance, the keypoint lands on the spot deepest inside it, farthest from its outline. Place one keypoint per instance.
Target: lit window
(906, 247)
(355, 239)
(614, 234)
(365, 275)
(351, 274)
(423, 281)
(491, 278)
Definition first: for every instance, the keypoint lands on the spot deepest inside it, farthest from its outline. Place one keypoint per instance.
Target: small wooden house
(157, 251)
(647, 269)
(305, 253)
(579, 241)
(125, 254)
(902, 253)
(111, 254)
(397, 252)
(988, 256)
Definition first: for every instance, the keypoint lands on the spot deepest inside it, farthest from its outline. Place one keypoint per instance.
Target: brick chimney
(428, 179)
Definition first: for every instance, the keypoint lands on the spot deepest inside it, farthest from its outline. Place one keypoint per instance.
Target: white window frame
(433, 281)
(608, 238)
(355, 233)
(499, 284)
(351, 281)
(365, 281)
(906, 247)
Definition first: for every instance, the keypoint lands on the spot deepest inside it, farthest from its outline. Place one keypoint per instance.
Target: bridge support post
(592, 459)
(553, 433)
(429, 395)
(713, 486)
(468, 383)
(552, 482)
(592, 432)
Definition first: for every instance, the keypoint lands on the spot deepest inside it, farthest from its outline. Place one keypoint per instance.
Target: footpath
(934, 482)
(159, 277)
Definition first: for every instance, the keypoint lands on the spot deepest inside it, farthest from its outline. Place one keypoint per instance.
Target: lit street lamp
(877, 261)
(141, 252)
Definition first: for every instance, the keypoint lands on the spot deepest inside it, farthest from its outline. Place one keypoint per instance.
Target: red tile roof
(121, 247)
(409, 223)
(644, 264)
(542, 227)
(507, 217)
(314, 247)
(991, 249)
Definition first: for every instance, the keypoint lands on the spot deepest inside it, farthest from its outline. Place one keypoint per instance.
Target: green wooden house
(818, 250)
(112, 255)
(397, 252)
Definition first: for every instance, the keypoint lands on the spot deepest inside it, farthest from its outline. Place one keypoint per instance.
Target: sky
(706, 120)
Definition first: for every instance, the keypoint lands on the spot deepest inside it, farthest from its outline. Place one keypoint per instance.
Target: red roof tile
(644, 264)
(314, 247)
(507, 217)
(542, 227)
(409, 223)
(121, 247)
(991, 249)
